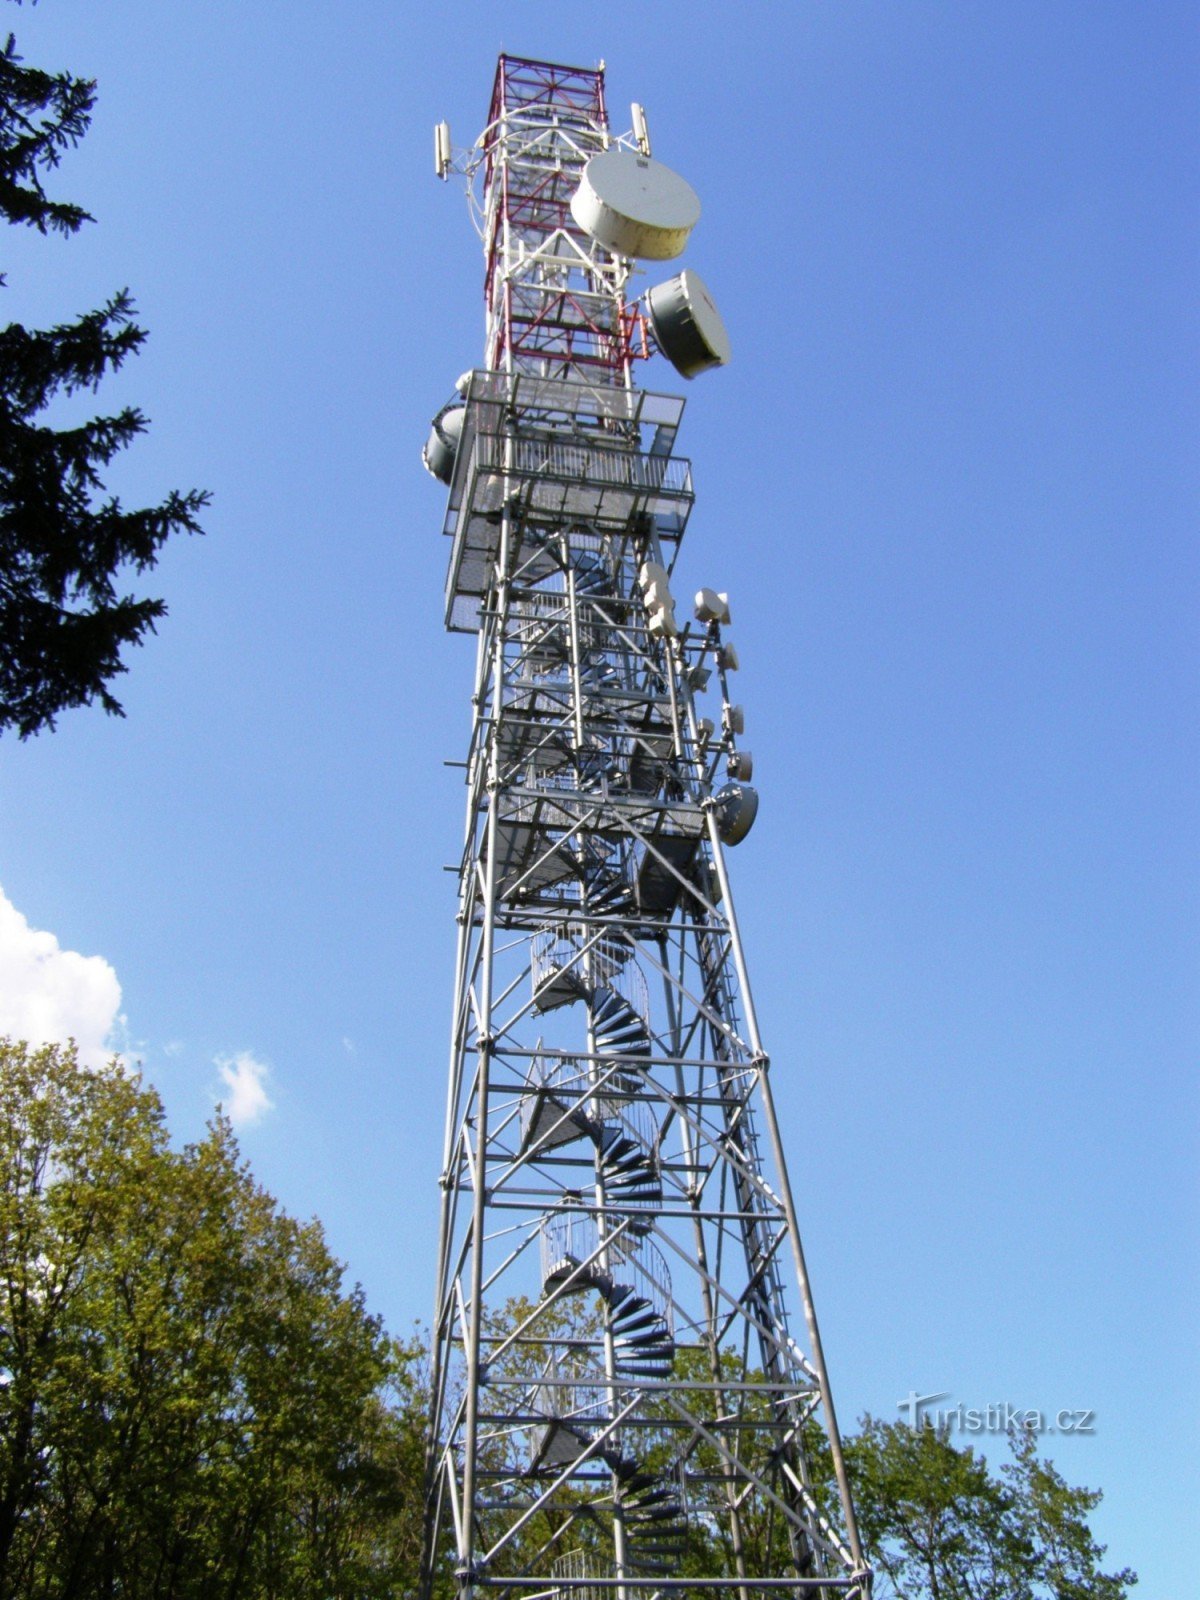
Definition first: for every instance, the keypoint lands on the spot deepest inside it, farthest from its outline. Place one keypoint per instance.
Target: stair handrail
(575, 1567)
(633, 1263)
(559, 948)
(641, 1264)
(634, 1117)
(577, 1398)
(628, 981)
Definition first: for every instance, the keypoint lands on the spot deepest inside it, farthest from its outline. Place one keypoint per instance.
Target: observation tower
(629, 1393)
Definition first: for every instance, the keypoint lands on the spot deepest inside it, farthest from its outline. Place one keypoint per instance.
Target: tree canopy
(191, 1404)
(66, 546)
(939, 1524)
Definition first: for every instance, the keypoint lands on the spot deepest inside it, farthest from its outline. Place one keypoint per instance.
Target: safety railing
(569, 1081)
(600, 962)
(574, 1397)
(573, 1239)
(583, 461)
(577, 1568)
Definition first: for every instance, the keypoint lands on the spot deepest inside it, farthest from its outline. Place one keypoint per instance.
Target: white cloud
(246, 1080)
(49, 995)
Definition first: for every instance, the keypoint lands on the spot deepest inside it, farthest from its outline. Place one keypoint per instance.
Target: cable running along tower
(622, 1405)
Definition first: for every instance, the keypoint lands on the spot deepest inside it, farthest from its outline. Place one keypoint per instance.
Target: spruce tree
(67, 547)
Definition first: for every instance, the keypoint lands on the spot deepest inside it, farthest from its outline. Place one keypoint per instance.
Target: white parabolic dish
(635, 206)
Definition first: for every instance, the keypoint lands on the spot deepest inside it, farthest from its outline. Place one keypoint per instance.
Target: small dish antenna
(687, 324)
(635, 206)
(735, 806)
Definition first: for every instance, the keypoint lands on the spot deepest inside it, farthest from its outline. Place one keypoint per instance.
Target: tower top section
(564, 208)
(549, 86)
(554, 298)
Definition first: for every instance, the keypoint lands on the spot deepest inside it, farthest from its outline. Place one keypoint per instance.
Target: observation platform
(554, 452)
(536, 828)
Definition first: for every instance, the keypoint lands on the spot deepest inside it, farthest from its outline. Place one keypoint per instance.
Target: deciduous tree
(939, 1524)
(191, 1403)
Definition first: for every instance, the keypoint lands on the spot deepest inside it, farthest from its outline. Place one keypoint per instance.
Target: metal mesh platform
(580, 453)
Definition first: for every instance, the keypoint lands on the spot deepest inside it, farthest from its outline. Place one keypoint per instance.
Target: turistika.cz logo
(923, 1411)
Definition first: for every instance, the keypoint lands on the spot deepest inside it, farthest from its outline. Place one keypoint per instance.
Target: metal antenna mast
(621, 1407)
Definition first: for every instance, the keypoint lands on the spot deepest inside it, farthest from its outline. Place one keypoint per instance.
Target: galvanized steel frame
(602, 1167)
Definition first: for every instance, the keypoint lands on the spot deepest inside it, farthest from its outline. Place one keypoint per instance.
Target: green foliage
(1055, 1519)
(191, 1404)
(715, 1534)
(938, 1524)
(64, 544)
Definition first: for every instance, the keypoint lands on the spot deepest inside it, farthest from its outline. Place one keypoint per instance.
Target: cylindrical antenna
(640, 131)
(441, 149)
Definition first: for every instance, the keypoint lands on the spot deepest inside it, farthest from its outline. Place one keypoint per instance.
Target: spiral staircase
(611, 1257)
(598, 1098)
(633, 1283)
(559, 1107)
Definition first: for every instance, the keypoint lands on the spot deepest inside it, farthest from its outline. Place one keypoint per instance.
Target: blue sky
(950, 482)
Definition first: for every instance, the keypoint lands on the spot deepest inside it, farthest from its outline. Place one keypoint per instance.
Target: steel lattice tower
(620, 1405)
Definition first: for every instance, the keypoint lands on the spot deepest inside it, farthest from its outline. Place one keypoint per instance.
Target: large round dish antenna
(687, 324)
(635, 206)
